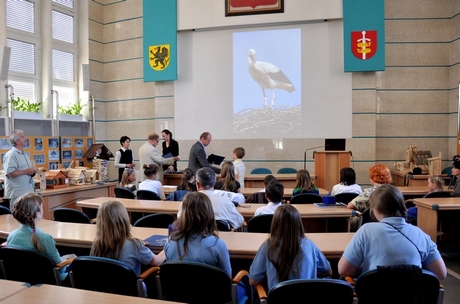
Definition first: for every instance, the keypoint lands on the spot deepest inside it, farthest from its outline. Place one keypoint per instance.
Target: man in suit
(148, 154)
(197, 158)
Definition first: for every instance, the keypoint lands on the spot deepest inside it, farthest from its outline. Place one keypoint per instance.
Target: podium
(327, 167)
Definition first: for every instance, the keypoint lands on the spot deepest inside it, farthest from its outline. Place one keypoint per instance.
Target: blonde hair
(125, 177)
(437, 181)
(113, 229)
(25, 211)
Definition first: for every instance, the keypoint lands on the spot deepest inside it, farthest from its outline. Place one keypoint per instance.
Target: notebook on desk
(321, 205)
(156, 240)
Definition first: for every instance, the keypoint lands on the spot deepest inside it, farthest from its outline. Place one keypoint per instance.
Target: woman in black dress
(169, 146)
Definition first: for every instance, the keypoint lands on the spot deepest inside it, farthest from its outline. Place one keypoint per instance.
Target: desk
(402, 178)
(257, 180)
(10, 288)
(57, 294)
(428, 212)
(239, 244)
(287, 191)
(67, 197)
(418, 191)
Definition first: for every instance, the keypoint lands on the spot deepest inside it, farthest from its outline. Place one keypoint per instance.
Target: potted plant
(24, 109)
(71, 112)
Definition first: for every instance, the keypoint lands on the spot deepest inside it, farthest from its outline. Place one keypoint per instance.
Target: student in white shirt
(274, 194)
(347, 183)
(238, 164)
(150, 183)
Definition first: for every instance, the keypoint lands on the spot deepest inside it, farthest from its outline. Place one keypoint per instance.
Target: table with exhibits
(239, 244)
(428, 212)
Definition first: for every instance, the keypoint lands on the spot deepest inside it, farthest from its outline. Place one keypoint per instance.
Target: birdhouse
(55, 179)
(92, 175)
(77, 176)
(41, 177)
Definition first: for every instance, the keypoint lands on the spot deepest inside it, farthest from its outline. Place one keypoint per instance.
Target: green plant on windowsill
(74, 109)
(25, 105)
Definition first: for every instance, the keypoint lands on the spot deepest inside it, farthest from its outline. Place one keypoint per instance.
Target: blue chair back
(261, 171)
(286, 171)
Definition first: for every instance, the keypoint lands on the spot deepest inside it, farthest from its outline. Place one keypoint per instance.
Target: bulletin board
(48, 151)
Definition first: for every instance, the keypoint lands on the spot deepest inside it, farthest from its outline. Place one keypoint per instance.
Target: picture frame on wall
(38, 144)
(249, 7)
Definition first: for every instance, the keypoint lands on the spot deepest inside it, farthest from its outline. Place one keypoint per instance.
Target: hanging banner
(364, 35)
(160, 40)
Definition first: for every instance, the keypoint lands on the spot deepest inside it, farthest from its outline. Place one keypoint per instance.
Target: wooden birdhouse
(92, 175)
(77, 176)
(55, 179)
(41, 177)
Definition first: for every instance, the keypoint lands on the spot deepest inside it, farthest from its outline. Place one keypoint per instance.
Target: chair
(299, 291)
(286, 171)
(177, 195)
(261, 223)
(4, 210)
(306, 198)
(345, 197)
(194, 283)
(365, 217)
(261, 171)
(70, 215)
(123, 193)
(446, 175)
(30, 266)
(156, 220)
(108, 275)
(147, 195)
(223, 225)
(438, 194)
(398, 284)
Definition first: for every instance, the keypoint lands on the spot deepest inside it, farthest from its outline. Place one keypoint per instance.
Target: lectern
(327, 167)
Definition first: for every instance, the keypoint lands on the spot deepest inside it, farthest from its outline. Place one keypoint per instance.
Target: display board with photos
(49, 151)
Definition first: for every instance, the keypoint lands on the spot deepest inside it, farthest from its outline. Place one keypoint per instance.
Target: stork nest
(268, 120)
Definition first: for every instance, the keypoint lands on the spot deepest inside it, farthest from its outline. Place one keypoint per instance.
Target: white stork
(268, 76)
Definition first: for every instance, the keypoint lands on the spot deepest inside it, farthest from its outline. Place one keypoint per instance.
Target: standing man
(197, 158)
(148, 154)
(124, 157)
(19, 171)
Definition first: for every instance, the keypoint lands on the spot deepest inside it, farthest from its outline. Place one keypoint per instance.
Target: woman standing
(169, 145)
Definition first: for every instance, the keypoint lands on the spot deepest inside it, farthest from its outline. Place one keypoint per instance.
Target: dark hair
(124, 138)
(206, 178)
(167, 132)
(347, 176)
(239, 152)
(197, 219)
(269, 178)
(25, 211)
(456, 161)
(388, 201)
(187, 174)
(274, 191)
(150, 169)
(286, 235)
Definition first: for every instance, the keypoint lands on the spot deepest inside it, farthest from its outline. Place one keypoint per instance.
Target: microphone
(305, 156)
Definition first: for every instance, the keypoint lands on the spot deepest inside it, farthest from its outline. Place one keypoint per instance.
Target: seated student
(115, 241)
(274, 194)
(287, 254)
(194, 236)
(224, 209)
(187, 181)
(259, 197)
(150, 183)
(391, 240)
(227, 181)
(347, 183)
(435, 183)
(27, 210)
(128, 179)
(456, 174)
(304, 183)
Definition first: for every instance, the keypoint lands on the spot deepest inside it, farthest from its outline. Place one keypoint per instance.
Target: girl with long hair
(194, 237)
(128, 180)
(287, 254)
(188, 177)
(227, 180)
(114, 239)
(304, 183)
(27, 210)
(169, 145)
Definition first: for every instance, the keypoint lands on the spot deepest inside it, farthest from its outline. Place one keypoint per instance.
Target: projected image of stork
(268, 76)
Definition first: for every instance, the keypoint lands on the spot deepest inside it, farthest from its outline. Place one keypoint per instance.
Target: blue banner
(160, 40)
(364, 35)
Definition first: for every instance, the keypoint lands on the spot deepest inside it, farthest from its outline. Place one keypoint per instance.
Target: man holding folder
(197, 158)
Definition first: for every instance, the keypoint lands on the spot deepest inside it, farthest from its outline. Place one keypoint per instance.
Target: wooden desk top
(49, 192)
(57, 294)
(418, 190)
(247, 210)
(287, 191)
(10, 288)
(411, 176)
(239, 244)
(444, 203)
